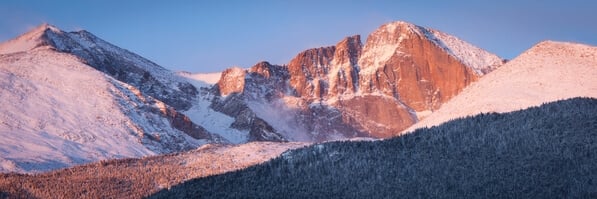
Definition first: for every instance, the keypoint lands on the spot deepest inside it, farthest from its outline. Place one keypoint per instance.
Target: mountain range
(375, 89)
(70, 98)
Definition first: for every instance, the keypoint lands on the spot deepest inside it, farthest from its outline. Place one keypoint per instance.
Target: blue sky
(211, 35)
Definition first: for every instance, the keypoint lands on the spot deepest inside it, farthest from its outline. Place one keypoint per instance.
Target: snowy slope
(547, 72)
(202, 113)
(58, 112)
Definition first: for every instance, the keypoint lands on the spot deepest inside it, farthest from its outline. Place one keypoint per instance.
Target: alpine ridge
(75, 98)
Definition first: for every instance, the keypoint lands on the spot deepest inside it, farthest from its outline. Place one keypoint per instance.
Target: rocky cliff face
(308, 71)
(344, 76)
(400, 74)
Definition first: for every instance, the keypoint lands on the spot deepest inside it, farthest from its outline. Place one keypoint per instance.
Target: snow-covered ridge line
(478, 59)
(89, 42)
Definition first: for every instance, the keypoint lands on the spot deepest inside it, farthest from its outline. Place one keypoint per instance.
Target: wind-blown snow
(549, 71)
(281, 115)
(24, 42)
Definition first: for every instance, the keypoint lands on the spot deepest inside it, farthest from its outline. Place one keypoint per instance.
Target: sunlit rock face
(232, 81)
(402, 73)
(320, 73)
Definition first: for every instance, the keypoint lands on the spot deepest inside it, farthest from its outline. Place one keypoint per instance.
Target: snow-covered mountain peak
(398, 26)
(39, 31)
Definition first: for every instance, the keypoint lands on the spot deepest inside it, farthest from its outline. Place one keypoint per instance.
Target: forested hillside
(138, 177)
(542, 152)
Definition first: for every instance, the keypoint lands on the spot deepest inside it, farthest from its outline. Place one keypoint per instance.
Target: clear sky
(211, 35)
